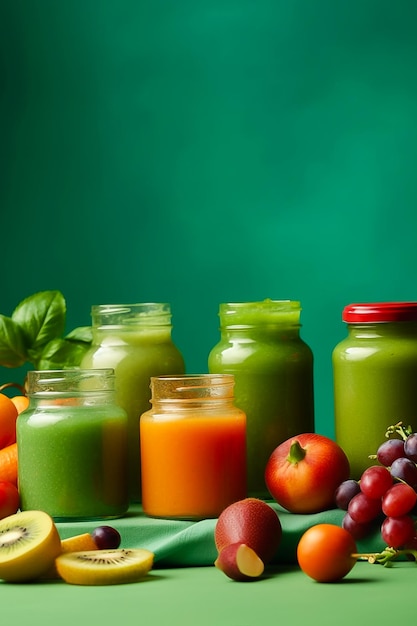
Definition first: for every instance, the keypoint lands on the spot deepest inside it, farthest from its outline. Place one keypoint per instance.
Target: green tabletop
(203, 596)
(185, 588)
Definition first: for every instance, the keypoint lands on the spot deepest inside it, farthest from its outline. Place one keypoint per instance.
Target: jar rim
(368, 312)
(139, 313)
(229, 308)
(241, 315)
(75, 380)
(192, 386)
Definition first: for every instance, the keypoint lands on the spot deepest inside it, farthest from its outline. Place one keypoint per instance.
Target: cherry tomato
(9, 499)
(325, 552)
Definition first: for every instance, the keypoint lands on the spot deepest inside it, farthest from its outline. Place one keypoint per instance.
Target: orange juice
(193, 449)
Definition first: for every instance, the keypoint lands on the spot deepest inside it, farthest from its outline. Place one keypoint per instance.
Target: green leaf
(82, 333)
(12, 343)
(61, 354)
(41, 317)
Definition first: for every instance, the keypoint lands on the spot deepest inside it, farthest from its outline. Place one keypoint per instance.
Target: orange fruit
(8, 463)
(326, 552)
(21, 403)
(8, 416)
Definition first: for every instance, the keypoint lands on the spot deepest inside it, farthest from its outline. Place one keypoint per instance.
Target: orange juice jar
(193, 447)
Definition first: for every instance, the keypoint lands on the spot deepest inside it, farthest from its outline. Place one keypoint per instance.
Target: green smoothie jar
(374, 377)
(135, 340)
(261, 346)
(72, 443)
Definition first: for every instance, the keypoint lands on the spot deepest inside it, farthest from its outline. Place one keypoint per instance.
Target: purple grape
(106, 537)
(397, 531)
(410, 447)
(363, 509)
(390, 450)
(357, 530)
(345, 492)
(405, 469)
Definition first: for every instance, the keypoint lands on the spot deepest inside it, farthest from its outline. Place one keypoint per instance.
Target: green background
(197, 152)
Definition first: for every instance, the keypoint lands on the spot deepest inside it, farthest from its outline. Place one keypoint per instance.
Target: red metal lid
(380, 312)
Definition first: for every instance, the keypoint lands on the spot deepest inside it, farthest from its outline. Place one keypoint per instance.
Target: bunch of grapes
(386, 494)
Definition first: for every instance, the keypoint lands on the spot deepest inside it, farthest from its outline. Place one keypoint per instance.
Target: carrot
(8, 463)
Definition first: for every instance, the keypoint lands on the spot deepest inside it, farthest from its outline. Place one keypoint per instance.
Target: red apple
(252, 522)
(303, 473)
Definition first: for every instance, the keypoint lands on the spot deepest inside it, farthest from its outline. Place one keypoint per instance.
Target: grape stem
(386, 556)
(399, 429)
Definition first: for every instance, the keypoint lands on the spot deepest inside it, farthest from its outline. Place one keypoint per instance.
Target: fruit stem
(386, 556)
(399, 429)
(296, 453)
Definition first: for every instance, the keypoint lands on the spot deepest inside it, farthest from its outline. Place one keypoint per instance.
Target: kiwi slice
(29, 544)
(104, 567)
(72, 544)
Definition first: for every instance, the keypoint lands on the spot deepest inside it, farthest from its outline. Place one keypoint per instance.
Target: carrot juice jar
(193, 447)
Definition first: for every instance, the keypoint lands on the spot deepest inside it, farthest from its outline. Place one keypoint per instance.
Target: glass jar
(135, 340)
(261, 346)
(374, 377)
(72, 443)
(193, 447)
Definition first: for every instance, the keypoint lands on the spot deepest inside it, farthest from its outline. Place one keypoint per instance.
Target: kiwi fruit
(29, 545)
(79, 543)
(104, 567)
(75, 543)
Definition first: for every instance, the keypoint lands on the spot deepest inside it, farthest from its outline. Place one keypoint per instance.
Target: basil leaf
(82, 333)
(41, 317)
(61, 354)
(12, 343)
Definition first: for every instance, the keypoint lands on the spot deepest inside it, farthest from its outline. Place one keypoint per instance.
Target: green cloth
(183, 543)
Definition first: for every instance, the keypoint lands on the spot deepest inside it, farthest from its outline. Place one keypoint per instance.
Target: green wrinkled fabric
(177, 543)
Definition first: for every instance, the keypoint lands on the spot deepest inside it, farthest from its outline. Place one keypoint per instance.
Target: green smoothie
(134, 340)
(273, 369)
(72, 456)
(375, 385)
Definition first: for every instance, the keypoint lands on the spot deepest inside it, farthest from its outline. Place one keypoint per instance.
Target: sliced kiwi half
(104, 567)
(29, 544)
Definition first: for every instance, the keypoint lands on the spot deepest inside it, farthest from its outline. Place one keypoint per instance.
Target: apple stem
(296, 453)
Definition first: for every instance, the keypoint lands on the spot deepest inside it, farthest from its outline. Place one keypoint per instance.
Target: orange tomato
(326, 552)
(8, 416)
